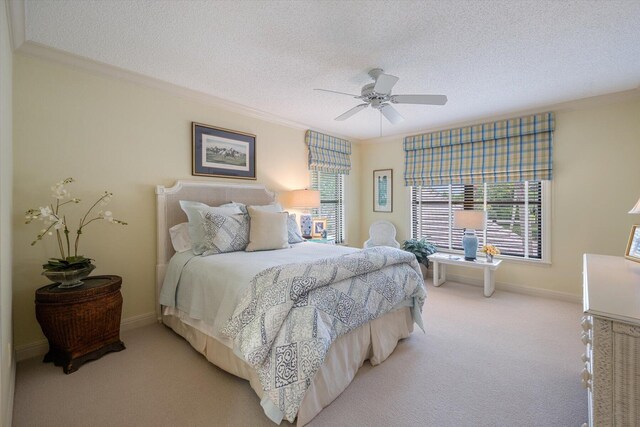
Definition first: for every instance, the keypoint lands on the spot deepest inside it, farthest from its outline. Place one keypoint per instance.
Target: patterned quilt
(290, 315)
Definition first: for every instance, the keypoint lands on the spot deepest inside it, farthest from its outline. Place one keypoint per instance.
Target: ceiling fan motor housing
(374, 98)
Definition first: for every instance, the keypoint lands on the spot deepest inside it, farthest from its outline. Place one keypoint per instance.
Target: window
(515, 214)
(331, 202)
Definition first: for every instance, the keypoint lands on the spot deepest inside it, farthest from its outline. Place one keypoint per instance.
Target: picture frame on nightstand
(319, 225)
(633, 247)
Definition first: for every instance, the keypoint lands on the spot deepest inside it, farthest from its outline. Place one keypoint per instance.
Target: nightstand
(81, 323)
(325, 241)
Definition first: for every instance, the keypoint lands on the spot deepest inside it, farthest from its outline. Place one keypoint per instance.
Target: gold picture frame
(318, 226)
(633, 247)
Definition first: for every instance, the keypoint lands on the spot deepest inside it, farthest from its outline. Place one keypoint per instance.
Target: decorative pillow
(180, 237)
(194, 211)
(293, 230)
(225, 233)
(238, 205)
(272, 207)
(268, 230)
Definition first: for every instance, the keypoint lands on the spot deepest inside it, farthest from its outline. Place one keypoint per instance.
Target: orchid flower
(53, 219)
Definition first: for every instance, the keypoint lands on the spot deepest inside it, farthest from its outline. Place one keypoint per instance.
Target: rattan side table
(81, 323)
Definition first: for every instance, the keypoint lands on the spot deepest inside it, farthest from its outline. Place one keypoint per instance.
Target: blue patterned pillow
(225, 233)
(195, 214)
(293, 230)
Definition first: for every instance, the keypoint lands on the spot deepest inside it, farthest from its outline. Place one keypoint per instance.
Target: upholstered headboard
(211, 193)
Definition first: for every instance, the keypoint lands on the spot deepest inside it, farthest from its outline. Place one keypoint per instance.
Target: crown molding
(65, 58)
(578, 104)
(16, 19)
(41, 51)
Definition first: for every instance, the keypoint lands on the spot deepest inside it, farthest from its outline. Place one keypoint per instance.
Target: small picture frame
(383, 190)
(318, 227)
(223, 153)
(633, 247)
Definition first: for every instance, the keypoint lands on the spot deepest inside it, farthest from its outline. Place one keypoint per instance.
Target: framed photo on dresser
(223, 153)
(633, 247)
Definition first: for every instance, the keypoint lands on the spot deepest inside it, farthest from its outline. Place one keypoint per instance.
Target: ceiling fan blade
(391, 114)
(341, 93)
(419, 99)
(351, 112)
(384, 83)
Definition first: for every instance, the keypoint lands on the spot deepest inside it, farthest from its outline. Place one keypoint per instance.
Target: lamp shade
(304, 199)
(475, 220)
(636, 208)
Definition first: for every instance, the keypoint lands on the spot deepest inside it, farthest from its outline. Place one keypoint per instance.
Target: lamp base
(470, 245)
(305, 225)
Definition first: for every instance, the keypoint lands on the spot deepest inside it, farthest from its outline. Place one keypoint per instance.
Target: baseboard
(138, 321)
(518, 289)
(7, 418)
(39, 348)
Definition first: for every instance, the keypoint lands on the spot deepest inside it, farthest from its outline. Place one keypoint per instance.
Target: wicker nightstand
(81, 323)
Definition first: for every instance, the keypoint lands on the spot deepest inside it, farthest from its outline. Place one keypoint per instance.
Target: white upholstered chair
(382, 233)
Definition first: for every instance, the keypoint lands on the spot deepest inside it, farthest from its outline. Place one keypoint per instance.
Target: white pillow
(180, 237)
(239, 205)
(195, 213)
(268, 230)
(273, 207)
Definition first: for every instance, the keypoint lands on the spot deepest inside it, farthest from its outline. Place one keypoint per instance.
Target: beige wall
(111, 134)
(596, 181)
(125, 137)
(7, 363)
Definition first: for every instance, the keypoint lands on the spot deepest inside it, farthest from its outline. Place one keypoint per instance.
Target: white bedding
(209, 299)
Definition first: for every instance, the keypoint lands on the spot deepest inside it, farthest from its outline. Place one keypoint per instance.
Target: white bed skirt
(375, 341)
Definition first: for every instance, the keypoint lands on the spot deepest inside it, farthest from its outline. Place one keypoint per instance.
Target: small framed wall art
(633, 247)
(319, 226)
(383, 190)
(223, 152)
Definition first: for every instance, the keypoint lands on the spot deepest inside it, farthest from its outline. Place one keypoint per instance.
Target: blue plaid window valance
(511, 150)
(328, 153)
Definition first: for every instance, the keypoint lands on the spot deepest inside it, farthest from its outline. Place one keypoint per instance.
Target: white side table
(440, 262)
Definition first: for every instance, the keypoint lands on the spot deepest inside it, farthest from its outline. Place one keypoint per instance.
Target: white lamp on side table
(305, 200)
(470, 221)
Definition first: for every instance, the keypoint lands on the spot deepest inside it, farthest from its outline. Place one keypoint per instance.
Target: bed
(199, 311)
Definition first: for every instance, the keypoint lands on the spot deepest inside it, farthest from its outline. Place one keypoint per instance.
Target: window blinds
(514, 215)
(331, 202)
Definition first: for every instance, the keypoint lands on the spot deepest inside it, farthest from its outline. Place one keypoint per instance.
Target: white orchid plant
(56, 222)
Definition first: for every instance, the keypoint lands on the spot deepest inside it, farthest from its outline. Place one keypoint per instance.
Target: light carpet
(508, 360)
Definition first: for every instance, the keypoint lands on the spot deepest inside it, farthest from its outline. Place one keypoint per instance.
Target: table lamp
(636, 208)
(305, 200)
(470, 221)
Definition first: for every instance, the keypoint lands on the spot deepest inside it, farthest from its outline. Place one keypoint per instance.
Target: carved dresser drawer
(611, 334)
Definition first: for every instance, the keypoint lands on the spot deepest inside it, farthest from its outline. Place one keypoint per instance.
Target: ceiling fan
(378, 96)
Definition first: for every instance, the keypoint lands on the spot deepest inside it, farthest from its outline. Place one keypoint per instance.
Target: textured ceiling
(489, 57)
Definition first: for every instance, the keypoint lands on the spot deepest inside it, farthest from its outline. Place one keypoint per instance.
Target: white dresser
(611, 332)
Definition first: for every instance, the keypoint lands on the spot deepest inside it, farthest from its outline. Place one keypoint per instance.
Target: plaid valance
(511, 150)
(328, 153)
